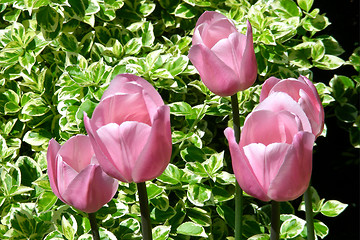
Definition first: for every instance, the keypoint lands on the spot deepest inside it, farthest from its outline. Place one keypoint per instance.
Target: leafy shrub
(57, 58)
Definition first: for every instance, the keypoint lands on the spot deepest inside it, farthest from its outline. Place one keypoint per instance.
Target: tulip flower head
(303, 91)
(75, 176)
(224, 58)
(130, 130)
(273, 160)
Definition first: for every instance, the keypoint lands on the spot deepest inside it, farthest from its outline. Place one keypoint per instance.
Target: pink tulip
(224, 58)
(303, 91)
(273, 159)
(76, 177)
(130, 130)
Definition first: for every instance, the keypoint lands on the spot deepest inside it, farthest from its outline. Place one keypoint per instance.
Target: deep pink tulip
(76, 177)
(273, 159)
(130, 130)
(303, 91)
(224, 58)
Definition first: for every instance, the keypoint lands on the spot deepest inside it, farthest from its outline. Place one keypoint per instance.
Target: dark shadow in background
(336, 163)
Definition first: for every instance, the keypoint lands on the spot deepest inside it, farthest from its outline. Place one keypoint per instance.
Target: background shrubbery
(57, 58)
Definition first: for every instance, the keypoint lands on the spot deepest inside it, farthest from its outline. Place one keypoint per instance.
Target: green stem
(238, 191)
(144, 210)
(236, 116)
(94, 227)
(275, 220)
(309, 214)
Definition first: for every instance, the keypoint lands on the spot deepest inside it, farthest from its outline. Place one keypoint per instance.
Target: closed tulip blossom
(76, 177)
(130, 130)
(273, 160)
(303, 91)
(224, 58)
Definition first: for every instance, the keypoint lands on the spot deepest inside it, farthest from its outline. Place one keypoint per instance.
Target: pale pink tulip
(303, 91)
(273, 160)
(130, 130)
(75, 176)
(224, 58)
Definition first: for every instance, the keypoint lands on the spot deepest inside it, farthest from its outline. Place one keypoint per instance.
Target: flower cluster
(130, 136)
(129, 140)
(273, 160)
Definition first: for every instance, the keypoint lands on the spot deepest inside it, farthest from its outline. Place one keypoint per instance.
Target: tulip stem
(309, 214)
(236, 116)
(94, 226)
(238, 191)
(144, 210)
(275, 220)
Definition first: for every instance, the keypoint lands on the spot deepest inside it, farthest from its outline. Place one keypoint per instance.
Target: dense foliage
(57, 58)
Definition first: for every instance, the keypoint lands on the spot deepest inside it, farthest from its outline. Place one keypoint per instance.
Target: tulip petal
(265, 161)
(242, 169)
(214, 32)
(248, 64)
(122, 146)
(91, 189)
(208, 17)
(230, 51)
(103, 158)
(278, 127)
(303, 91)
(51, 154)
(132, 84)
(279, 101)
(294, 175)
(77, 152)
(65, 175)
(313, 112)
(115, 109)
(157, 152)
(212, 27)
(267, 86)
(215, 74)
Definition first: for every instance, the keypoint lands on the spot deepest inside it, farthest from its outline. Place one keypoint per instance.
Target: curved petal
(230, 51)
(242, 169)
(312, 112)
(121, 108)
(303, 91)
(265, 161)
(65, 175)
(77, 152)
(215, 74)
(91, 189)
(311, 86)
(98, 147)
(132, 84)
(209, 17)
(212, 27)
(215, 31)
(248, 69)
(278, 127)
(51, 158)
(294, 175)
(122, 146)
(151, 106)
(280, 101)
(157, 152)
(267, 86)
(290, 87)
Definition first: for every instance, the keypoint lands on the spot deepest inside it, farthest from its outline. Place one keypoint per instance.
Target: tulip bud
(75, 176)
(224, 58)
(130, 130)
(273, 160)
